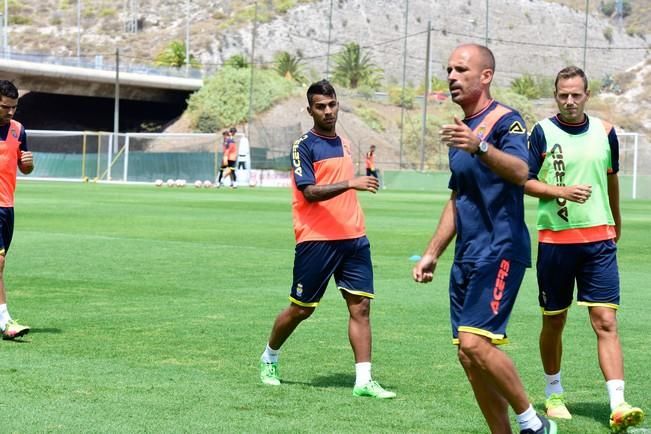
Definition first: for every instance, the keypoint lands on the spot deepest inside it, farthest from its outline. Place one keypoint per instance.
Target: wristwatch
(482, 148)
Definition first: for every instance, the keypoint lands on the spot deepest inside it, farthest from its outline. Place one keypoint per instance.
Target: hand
(423, 271)
(460, 136)
(577, 193)
(26, 161)
(365, 183)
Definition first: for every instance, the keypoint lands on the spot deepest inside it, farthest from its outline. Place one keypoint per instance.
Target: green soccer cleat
(548, 427)
(374, 390)
(14, 330)
(625, 416)
(269, 373)
(555, 406)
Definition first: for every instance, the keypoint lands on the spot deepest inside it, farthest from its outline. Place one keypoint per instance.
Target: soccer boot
(374, 390)
(14, 330)
(625, 416)
(548, 427)
(555, 406)
(269, 373)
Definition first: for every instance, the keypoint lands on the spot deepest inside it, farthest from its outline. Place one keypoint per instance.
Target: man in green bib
(573, 165)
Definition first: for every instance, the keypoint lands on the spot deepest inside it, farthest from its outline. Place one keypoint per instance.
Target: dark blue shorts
(6, 229)
(593, 266)
(316, 261)
(482, 296)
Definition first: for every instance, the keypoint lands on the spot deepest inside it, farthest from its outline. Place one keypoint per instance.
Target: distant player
(330, 240)
(370, 162)
(13, 155)
(573, 164)
(488, 161)
(229, 160)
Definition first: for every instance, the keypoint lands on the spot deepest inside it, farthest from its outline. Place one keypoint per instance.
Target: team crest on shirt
(14, 133)
(516, 128)
(346, 146)
(299, 289)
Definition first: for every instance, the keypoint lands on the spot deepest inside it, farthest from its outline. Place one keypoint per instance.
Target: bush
(396, 97)
(370, 117)
(608, 34)
(224, 98)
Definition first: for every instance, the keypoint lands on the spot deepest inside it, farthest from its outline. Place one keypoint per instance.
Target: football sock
(615, 392)
(362, 373)
(270, 355)
(4, 316)
(553, 384)
(529, 420)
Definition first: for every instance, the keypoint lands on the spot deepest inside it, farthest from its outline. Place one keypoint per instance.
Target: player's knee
(300, 313)
(554, 322)
(473, 348)
(605, 324)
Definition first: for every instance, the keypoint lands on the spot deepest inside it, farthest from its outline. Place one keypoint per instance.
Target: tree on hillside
(354, 67)
(174, 55)
(289, 66)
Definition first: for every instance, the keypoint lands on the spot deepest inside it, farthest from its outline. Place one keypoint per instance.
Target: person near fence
(488, 161)
(229, 158)
(573, 165)
(330, 240)
(13, 156)
(371, 170)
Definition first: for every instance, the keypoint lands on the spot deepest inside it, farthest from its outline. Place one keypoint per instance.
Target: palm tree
(289, 66)
(354, 67)
(174, 55)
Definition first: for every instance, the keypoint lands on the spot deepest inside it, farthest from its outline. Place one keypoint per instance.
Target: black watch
(482, 148)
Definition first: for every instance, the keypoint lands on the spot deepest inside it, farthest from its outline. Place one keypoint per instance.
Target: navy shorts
(482, 296)
(6, 229)
(315, 262)
(593, 266)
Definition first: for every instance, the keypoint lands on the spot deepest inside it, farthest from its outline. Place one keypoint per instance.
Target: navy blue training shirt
(490, 210)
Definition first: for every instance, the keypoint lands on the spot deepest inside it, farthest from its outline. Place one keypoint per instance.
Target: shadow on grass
(50, 330)
(597, 411)
(331, 380)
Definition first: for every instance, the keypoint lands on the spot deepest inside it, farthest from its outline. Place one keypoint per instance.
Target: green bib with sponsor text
(575, 159)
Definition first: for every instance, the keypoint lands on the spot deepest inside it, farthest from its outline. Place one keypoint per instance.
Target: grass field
(150, 308)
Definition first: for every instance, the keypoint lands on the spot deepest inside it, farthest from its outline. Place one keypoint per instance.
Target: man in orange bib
(13, 155)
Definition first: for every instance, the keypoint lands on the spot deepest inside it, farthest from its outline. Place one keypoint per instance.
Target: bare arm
(318, 193)
(423, 271)
(574, 193)
(613, 199)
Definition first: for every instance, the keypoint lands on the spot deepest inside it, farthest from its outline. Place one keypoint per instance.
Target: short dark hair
(569, 72)
(8, 89)
(233, 130)
(224, 133)
(322, 87)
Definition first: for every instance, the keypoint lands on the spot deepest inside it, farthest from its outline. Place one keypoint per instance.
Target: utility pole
(404, 78)
(5, 30)
(329, 34)
(187, 37)
(116, 114)
(585, 35)
(486, 38)
(425, 98)
(78, 30)
(249, 120)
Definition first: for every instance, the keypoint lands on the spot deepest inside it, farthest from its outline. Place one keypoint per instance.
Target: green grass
(150, 308)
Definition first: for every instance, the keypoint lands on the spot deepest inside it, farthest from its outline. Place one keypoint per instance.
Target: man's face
(571, 97)
(324, 110)
(465, 75)
(7, 109)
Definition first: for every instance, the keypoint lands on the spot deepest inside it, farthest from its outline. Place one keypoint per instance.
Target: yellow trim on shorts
(300, 303)
(2, 252)
(553, 312)
(361, 293)
(591, 304)
(495, 339)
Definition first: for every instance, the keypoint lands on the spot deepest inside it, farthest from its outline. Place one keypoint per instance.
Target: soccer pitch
(150, 308)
